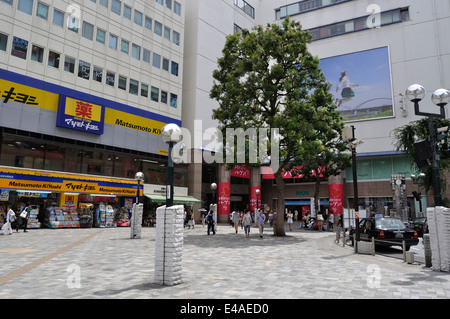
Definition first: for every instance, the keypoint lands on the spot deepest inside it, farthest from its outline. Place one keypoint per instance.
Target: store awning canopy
(176, 199)
(304, 202)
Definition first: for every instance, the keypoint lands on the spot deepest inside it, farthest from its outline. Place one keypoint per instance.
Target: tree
(268, 79)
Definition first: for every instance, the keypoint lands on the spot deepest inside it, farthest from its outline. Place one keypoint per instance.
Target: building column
(223, 195)
(194, 184)
(255, 183)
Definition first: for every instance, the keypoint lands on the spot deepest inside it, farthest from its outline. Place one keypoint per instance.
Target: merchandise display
(85, 214)
(122, 219)
(63, 217)
(33, 221)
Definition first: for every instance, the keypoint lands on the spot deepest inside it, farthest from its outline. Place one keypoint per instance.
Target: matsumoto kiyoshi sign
(80, 115)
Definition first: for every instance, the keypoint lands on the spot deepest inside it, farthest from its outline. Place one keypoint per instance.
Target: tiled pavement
(107, 264)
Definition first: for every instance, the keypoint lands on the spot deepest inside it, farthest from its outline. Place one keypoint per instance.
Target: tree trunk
(279, 224)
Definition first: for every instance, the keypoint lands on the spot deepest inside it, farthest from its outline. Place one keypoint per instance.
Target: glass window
(165, 64)
(174, 69)
(148, 23)
(166, 33)
(73, 24)
(136, 51)
(173, 100)
(158, 28)
(87, 31)
(42, 10)
(84, 70)
(100, 36)
(146, 55)
(37, 53)
(134, 87)
(25, 6)
(104, 3)
(176, 37)
(98, 73)
(169, 4)
(113, 41)
(10, 2)
(124, 46)
(164, 97)
(177, 8)
(69, 64)
(116, 6)
(53, 59)
(144, 90)
(154, 94)
(110, 78)
(137, 17)
(122, 82)
(156, 60)
(3, 41)
(159, 1)
(19, 48)
(58, 17)
(126, 11)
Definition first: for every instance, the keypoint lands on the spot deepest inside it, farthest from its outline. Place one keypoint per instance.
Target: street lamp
(419, 181)
(171, 134)
(139, 177)
(213, 188)
(441, 97)
(257, 198)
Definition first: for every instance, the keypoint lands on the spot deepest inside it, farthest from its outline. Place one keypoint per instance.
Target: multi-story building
(381, 47)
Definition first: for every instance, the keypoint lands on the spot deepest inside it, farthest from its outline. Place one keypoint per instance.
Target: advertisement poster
(361, 84)
(336, 195)
(223, 198)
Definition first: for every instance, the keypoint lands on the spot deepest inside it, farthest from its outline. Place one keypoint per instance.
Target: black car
(386, 231)
(420, 225)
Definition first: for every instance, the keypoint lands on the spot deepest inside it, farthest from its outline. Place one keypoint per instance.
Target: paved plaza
(104, 263)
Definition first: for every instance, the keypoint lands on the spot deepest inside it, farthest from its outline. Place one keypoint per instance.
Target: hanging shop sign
(240, 170)
(33, 180)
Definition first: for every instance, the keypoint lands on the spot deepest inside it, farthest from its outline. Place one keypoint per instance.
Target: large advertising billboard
(361, 83)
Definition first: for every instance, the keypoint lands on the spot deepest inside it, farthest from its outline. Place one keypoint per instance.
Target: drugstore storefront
(64, 200)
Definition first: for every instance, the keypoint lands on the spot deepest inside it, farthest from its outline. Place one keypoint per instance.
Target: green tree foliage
(267, 78)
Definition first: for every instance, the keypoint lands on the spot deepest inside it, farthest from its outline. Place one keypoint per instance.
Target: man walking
(261, 218)
(210, 222)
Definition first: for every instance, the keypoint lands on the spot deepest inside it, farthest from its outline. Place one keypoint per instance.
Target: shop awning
(176, 199)
(304, 202)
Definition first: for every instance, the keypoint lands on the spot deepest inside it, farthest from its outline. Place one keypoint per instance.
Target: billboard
(361, 83)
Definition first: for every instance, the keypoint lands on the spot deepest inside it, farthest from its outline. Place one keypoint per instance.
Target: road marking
(28, 267)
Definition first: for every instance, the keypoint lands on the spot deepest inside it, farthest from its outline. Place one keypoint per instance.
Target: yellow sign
(87, 111)
(132, 121)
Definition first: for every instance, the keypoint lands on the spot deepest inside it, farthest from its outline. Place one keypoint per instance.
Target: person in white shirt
(10, 218)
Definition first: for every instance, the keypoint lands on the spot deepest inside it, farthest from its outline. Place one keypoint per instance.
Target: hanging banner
(240, 170)
(253, 198)
(223, 198)
(336, 198)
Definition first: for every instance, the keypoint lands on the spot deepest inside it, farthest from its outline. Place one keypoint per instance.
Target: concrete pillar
(223, 195)
(194, 183)
(136, 221)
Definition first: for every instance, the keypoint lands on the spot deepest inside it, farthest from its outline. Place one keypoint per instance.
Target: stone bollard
(169, 245)
(136, 221)
(427, 250)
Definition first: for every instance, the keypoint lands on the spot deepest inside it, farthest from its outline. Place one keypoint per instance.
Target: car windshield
(419, 220)
(386, 223)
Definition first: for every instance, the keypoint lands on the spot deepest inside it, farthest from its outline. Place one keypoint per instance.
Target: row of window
(303, 6)
(20, 48)
(73, 23)
(244, 6)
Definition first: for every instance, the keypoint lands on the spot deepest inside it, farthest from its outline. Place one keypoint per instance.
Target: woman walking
(247, 222)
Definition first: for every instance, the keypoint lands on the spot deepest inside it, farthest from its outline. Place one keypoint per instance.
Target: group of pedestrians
(246, 219)
(11, 218)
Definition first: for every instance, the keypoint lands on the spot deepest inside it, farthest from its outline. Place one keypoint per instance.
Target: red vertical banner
(336, 197)
(223, 198)
(252, 197)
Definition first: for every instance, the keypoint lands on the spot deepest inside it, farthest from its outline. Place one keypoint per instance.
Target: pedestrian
(261, 218)
(296, 215)
(307, 217)
(319, 221)
(24, 218)
(236, 218)
(290, 220)
(10, 218)
(247, 222)
(191, 221)
(330, 221)
(209, 219)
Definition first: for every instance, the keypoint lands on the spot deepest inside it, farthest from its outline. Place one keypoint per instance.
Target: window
(73, 24)
(134, 87)
(169, 4)
(97, 75)
(19, 48)
(100, 36)
(110, 78)
(42, 10)
(122, 82)
(154, 94)
(158, 28)
(146, 55)
(177, 8)
(113, 41)
(164, 97)
(116, 6)
(25, 6)
(87, 31)
(126, 11)
(159, 1)
(166, 33)
(137, 17)
(136, 51)
(174, 69)
(58, 17)
(37, 53)
(124, 46)
(84, 70)
(176, 37)
(148, 23)
(144, 90)
(69, 64)
(165, 64)
(53, 59)
(156, 60)
(3, 41)
(10, 2)
(104, 3)
(173, 100)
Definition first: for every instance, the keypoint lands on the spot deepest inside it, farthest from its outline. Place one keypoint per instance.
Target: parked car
(420, 225)
(386, 231)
